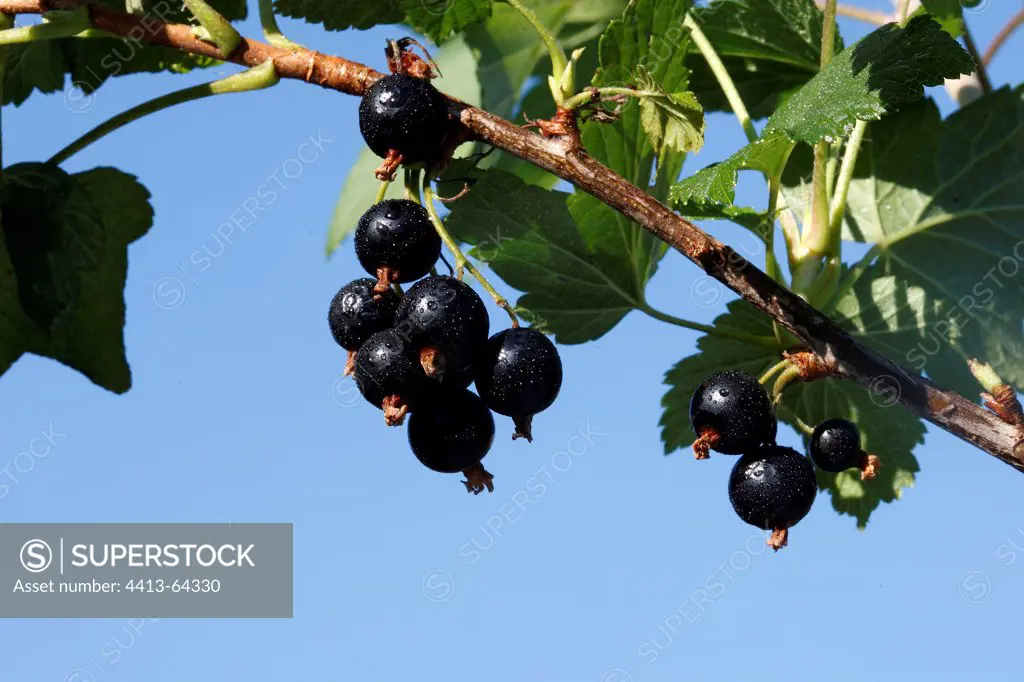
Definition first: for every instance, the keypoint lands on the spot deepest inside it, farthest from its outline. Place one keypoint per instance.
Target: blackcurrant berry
(447, 325)
(357, 313)
(387, 375)
(451, 431)
(835, 447)
(406, 115)
(519, 375)
(773, 488)
(396, 242)
(731, 413)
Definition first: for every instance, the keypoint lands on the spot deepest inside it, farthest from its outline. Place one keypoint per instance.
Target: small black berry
(447, 324)
(835, 447)
(396, 242)
(451, 431)
(404, 114)
(357, 313)
(773, 488)
(519, 375)
(731, 413)
(387, 375)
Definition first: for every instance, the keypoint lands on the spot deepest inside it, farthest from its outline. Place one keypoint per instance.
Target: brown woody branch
(888, 382)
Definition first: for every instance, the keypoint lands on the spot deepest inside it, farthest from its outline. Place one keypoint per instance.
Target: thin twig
(869, 15)
(982, 72)
(1001, 37)
(564, 158)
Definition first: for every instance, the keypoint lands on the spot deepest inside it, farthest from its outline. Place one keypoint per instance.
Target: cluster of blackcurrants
(417, 352)
(772, 486)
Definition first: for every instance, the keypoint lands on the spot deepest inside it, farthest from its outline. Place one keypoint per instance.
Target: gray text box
(146, 570)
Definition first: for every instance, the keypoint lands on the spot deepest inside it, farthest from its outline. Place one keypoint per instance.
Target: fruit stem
(803, 426)
(56, 25)
(722, 75)
(256, 78)
(412, 185)
(382, 191)
(788, 376)
(559, 61)
(752, 339)
(271, 31)
(461, 262)
(215, 28)
(772, 371)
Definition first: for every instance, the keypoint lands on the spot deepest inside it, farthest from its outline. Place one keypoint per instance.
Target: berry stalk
(61, 25)
(256, 78)
(461, 262)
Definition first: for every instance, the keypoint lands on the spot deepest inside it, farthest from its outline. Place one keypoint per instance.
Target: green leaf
(456, 61)
(90, 62)
(878, 75)
(949, 14)
(339, 15)
(438, 19)
(672, 121)
(49, 244)
(769, 47)
(943, 202)
(578, 281)
(887, 428)
(750, 218)
(715, 186)
(74, 271)
(646, 37)
(714, 354)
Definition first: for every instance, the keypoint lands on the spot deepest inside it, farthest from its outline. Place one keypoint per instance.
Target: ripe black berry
(835, 447)
(519, 375)
(396, 242)
(404, 114)
(731, 413)
(447, 324)
(387, 375)
(451, 431)
(773, 488)
(357, 313)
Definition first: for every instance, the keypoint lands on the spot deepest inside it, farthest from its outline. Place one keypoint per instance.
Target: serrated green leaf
(579, 281)
(646, 37)
(104, 212)
(672, 121)
(750, 218)
(438, 19)
(458, 66)
(340, 15)
(715, 186)
(50, 242)
(769, 47)
(886, 70)
(714, 354)
(942, 201)
(511, 54)
(43, 65)
(949, 14)
(887, 428)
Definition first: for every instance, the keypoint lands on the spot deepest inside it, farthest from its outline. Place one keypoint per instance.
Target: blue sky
(620, 565)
